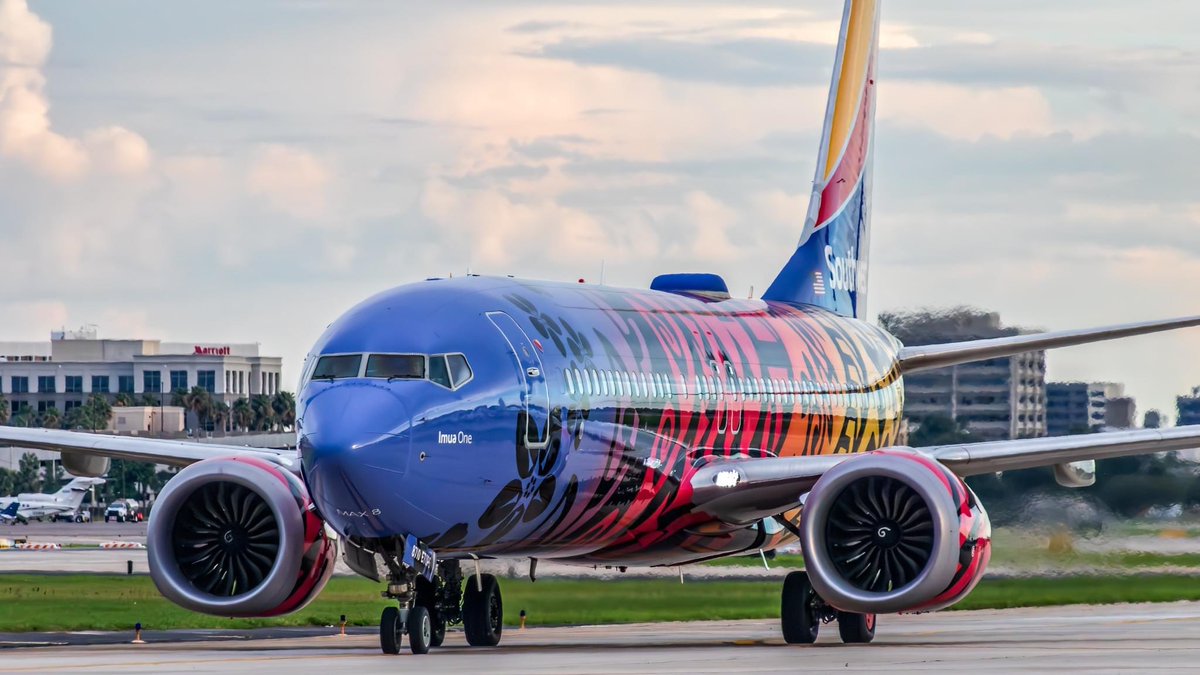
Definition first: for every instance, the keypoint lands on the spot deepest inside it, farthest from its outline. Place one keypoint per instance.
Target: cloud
(26, 133)
(290, 180)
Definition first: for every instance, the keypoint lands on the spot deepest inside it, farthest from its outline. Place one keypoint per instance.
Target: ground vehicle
(121, 511)
(79, 516)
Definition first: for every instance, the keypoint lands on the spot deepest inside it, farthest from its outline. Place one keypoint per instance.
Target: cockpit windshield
(446, 370)
(337, 366)
(396, 366)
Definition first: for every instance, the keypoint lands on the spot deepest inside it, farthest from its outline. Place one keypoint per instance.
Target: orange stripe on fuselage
(860, 40)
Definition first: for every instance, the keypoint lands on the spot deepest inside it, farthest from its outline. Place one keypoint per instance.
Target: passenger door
(537, 393)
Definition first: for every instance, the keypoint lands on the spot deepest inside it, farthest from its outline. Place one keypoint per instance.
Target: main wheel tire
(391, 631)
(856, 628)
(483, 612)
(420, 630)
(798, 610)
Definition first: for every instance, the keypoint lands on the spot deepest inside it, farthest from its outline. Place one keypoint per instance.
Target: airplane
(452, 420)
(29, 505)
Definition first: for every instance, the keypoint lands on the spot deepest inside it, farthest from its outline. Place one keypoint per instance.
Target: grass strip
(102, 602)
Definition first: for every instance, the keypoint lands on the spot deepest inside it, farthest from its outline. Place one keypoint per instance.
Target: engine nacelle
(893, 531)
(237, 537)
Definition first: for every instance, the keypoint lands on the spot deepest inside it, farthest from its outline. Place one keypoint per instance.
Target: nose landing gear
(427, 607)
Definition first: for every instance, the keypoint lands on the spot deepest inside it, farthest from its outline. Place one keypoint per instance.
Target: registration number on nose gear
(419, 557)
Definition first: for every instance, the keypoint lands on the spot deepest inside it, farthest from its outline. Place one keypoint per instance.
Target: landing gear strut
(802, 612)
(428, 607)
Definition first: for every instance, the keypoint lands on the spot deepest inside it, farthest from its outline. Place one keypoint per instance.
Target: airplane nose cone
(355, 444)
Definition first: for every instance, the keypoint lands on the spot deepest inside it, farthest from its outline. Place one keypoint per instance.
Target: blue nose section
(355, 443)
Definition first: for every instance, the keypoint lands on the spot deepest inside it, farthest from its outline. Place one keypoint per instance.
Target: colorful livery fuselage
(586, 411)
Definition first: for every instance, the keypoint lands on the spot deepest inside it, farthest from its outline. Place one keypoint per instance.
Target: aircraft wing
(927, 357)
(175, 453)
(746, 490)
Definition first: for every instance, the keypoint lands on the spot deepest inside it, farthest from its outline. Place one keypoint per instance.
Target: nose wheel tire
(420, 630)
(483, 612)
(799, 610)
(391, 631)
(856, 628)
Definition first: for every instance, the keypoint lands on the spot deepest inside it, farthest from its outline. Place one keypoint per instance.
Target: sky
(244, 172)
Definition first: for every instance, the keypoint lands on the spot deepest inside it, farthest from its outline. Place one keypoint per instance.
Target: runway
(1116, 638)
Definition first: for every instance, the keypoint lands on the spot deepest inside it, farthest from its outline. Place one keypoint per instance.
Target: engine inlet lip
(164, 569)
(822, 571)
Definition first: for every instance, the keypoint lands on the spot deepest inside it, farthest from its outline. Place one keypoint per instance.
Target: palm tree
(243, 414)
(99, 412)
(199, 401)
(123, 400)
(179, 398)
(284, 405)
(77, 418)
(25, 417)
(264, 414)
(5, 410)
(50, 419)
(220, 414)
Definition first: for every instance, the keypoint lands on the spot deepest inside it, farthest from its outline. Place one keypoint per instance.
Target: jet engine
(893, 531)
(238, 537)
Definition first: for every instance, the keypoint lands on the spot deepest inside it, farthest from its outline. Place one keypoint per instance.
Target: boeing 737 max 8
(456, 419)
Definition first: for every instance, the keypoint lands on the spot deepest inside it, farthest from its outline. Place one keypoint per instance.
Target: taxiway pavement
(1116, 638)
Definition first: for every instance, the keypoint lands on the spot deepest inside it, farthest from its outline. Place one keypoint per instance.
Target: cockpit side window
(438, 372)
(396, 366)
(460, 370)
(337, 366)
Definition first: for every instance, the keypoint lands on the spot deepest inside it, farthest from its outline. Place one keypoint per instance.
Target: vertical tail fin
(11, 510)
(829, 267)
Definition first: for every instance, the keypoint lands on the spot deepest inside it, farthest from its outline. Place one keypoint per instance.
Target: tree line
(259, 412)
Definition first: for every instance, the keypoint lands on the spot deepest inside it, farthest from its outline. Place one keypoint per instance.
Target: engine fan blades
(879, 534)
(225, 539)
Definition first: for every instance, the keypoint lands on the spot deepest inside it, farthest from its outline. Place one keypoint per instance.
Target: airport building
(65, 371)
(1081, 407)
(995, 399)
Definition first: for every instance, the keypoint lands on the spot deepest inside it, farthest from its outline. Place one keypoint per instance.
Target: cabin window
(570, 382)
(626, 387)
(337, 366)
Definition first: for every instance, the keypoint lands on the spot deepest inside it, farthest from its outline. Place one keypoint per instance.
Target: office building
(1082, 407)
(996, 399)
(65, 371)
(1187, 408)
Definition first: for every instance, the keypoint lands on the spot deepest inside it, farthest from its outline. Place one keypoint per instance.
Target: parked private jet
(25, 507)
(450, 420)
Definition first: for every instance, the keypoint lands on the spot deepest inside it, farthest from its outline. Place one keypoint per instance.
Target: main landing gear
(426, 608)
(802, 612)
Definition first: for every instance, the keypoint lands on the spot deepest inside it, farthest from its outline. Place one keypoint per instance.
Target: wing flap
(174, 453)
(927, 357)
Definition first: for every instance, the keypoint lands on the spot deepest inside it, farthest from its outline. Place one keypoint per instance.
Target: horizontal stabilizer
(928, 357)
